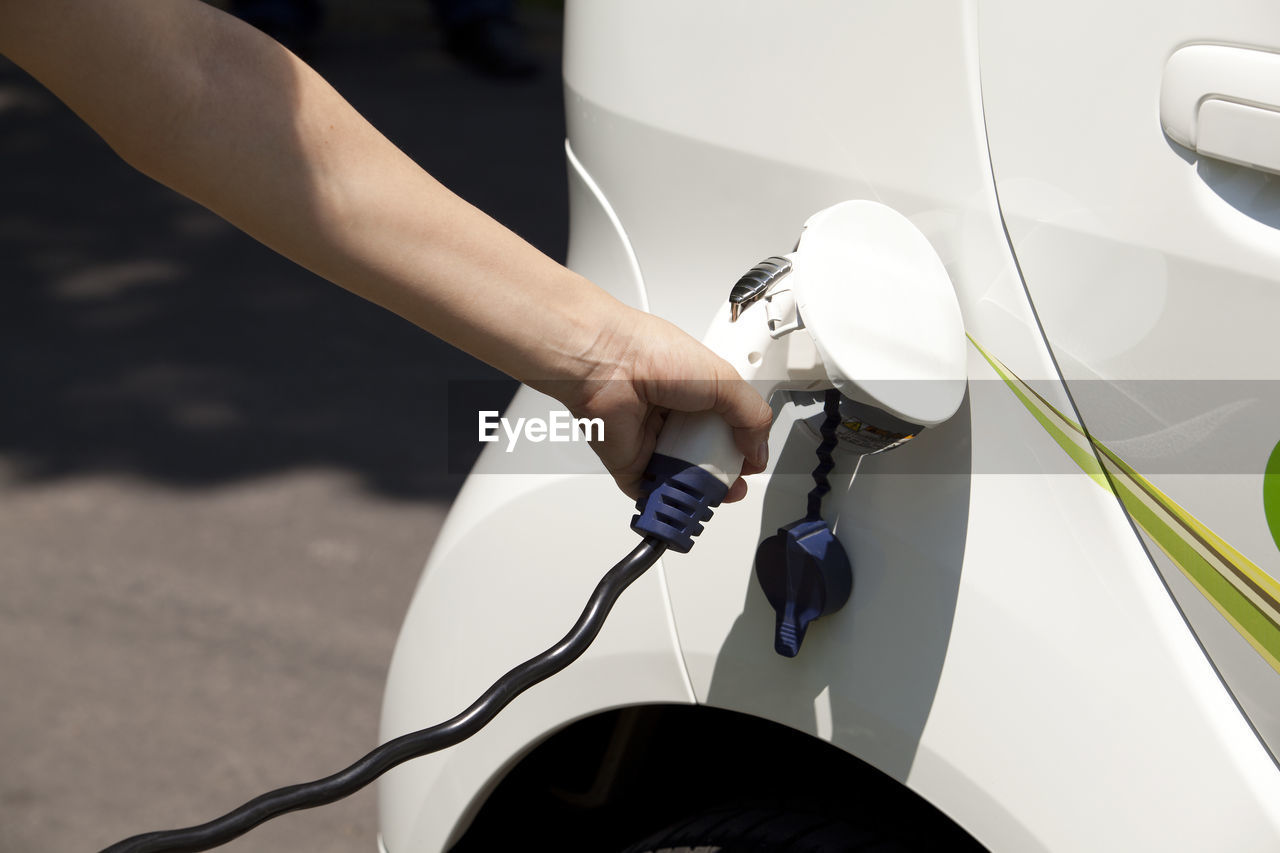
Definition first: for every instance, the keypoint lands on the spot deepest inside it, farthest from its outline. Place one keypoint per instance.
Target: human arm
(223, 114)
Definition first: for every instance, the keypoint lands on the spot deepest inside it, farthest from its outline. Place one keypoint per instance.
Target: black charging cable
(394, 752)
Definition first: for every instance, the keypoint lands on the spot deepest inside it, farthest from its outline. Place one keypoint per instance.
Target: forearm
(226, 116)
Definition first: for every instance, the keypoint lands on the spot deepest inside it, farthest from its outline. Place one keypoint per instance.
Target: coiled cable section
(830, 423)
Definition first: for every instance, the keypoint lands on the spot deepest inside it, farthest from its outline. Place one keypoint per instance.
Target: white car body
(1061, 642)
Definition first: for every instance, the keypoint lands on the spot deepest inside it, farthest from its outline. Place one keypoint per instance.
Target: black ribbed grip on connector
(678, 499)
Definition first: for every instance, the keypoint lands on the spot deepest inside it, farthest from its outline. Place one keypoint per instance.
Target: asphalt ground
(220, 475)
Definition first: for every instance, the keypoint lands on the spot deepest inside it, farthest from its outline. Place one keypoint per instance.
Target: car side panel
(1009, 651)
(1156, 274)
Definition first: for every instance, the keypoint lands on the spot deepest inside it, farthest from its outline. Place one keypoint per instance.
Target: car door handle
(1224, 102)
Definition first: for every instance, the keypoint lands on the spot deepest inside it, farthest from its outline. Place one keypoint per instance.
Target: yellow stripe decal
(1246, 596)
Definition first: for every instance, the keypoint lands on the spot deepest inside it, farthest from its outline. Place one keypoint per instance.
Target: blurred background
(219, 475)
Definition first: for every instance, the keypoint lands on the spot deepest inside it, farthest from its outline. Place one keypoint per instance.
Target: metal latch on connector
(756, 282)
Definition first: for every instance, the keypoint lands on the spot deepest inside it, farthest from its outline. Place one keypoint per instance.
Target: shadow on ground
(219, 475)
(141, 334)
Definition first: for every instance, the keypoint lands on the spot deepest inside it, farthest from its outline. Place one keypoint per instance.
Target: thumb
(749, 415)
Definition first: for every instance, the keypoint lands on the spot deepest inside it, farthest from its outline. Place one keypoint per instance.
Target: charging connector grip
(679, 497)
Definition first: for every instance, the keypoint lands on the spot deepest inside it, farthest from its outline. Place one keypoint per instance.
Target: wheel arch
(619, 775)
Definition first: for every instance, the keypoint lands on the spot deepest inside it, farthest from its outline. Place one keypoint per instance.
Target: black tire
(764, 830)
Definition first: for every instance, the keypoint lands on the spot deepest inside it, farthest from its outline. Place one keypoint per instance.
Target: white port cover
(881, 310)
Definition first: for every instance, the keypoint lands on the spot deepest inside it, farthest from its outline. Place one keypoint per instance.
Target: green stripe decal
(1246, 596)
(1052, 420)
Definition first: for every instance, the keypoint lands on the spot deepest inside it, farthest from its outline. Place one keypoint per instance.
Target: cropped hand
(641, 368)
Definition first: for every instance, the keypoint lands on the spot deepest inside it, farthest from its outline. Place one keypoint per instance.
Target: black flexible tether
(394, 752)
(825, 461)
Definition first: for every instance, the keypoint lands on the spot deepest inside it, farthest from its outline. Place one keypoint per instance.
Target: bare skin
(219, 112)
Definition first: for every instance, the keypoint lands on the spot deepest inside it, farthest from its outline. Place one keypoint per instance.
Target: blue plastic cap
(678, 499)
(804, 573)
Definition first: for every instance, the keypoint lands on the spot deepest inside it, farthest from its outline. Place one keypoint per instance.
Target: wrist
(592, 342)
